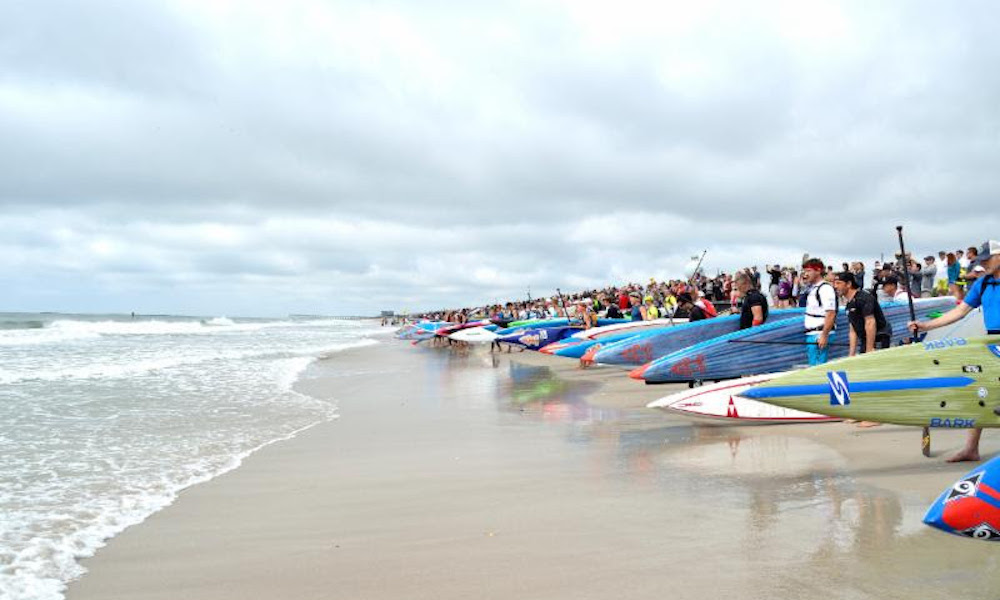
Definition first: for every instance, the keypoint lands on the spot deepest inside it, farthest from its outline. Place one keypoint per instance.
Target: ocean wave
(18, 333)
(143, 367)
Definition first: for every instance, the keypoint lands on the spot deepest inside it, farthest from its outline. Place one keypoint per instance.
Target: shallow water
(106, 418)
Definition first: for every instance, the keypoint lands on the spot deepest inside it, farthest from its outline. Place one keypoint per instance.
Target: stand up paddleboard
(954, 383)
(971, 507)
(720, 404)
(475, 335)
(770, 348)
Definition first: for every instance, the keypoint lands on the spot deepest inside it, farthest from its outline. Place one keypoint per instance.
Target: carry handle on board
(925, 438)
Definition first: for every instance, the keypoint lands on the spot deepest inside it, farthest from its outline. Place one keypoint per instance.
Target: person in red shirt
(623, 301)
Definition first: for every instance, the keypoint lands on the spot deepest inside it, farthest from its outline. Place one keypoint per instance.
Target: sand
(467, 475)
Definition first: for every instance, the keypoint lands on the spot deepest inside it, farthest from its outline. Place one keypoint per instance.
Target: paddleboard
(603, 331)
(535, 338)
(951, 383)
(971, 507)
(772, 347)
(635, 353)
(720, 403)
(475, 335)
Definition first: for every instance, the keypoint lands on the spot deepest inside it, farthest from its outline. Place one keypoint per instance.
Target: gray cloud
(326, 157)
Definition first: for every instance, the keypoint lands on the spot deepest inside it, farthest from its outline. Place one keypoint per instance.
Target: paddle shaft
(925, 438)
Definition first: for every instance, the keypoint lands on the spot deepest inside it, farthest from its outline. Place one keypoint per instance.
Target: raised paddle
(925, 439)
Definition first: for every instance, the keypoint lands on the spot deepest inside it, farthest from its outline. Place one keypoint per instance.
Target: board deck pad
(949, 383)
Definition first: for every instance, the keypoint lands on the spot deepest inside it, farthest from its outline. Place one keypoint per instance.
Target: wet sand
(466, 475)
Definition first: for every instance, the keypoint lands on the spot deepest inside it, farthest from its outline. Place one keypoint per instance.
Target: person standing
(858, 270)
(954, 271)
(892, 292)
(652, 313)
(928, 275)
(915, 278)
(753, 311)
(985, 293)
(613, 312)
(821, 311)
(772, 288)
(686, 303)
(868, 323)
(637, 313)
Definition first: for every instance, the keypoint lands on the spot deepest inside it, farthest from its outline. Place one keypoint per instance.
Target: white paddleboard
(475, 335)
(720, 403)
(593, 332)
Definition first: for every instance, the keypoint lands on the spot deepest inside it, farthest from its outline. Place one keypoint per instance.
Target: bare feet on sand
(868, 424)
(964, 455)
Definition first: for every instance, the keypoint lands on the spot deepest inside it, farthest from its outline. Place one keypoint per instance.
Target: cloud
(322, 156)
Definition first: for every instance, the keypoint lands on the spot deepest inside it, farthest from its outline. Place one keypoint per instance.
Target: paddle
(925, 439)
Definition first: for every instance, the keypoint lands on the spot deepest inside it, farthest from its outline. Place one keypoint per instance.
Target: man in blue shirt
(984, 292)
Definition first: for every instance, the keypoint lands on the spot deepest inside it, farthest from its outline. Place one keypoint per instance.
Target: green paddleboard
(952, 382)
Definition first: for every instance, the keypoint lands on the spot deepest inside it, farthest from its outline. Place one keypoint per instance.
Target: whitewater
(106, 418)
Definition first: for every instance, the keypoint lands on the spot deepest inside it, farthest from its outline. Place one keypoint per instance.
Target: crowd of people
(971, 276)
(703, 296)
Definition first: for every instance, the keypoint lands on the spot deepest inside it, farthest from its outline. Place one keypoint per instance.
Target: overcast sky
(265, 158)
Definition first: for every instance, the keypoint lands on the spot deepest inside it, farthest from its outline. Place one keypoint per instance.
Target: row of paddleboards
(950, 380)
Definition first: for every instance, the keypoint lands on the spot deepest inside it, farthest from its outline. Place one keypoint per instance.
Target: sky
(260, 158)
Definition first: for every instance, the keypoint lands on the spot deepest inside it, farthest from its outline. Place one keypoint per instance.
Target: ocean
(106, 418)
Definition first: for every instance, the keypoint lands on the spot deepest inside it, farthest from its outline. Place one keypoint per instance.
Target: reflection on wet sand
(784, 504)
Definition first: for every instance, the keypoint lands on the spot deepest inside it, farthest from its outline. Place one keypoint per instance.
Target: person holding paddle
(985, 292)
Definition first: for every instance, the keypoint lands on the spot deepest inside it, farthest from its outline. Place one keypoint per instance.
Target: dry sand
(455, 475)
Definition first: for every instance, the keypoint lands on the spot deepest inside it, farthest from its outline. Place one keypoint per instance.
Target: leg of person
(971, 449)
(812, 350)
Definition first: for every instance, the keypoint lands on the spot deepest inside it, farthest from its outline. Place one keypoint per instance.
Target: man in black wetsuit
(868, 322)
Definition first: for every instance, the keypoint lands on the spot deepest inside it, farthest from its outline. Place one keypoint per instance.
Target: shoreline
(452, 475)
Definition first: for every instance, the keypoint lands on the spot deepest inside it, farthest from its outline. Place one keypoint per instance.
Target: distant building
(388, 313)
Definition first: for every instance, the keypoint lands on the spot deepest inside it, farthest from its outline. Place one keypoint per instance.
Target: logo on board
(840, 394)
(994, 348)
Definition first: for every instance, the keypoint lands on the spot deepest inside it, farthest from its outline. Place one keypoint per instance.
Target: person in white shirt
(893, 291)
(821, 311)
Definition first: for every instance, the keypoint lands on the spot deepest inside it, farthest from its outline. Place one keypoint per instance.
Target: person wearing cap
(686, 302)
(985, 293)
(651, 311)
(821, 311)
(868, 322)
(892, 292)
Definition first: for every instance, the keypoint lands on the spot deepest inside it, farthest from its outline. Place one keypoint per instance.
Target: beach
(458, 474)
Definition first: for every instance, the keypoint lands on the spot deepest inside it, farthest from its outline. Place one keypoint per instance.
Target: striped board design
(605, 330)
(536, 338)
(971, 506)
(721, 404)
(771, 348)
(421, 330)
(635, 353)
(576, 348)
(953, 383)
